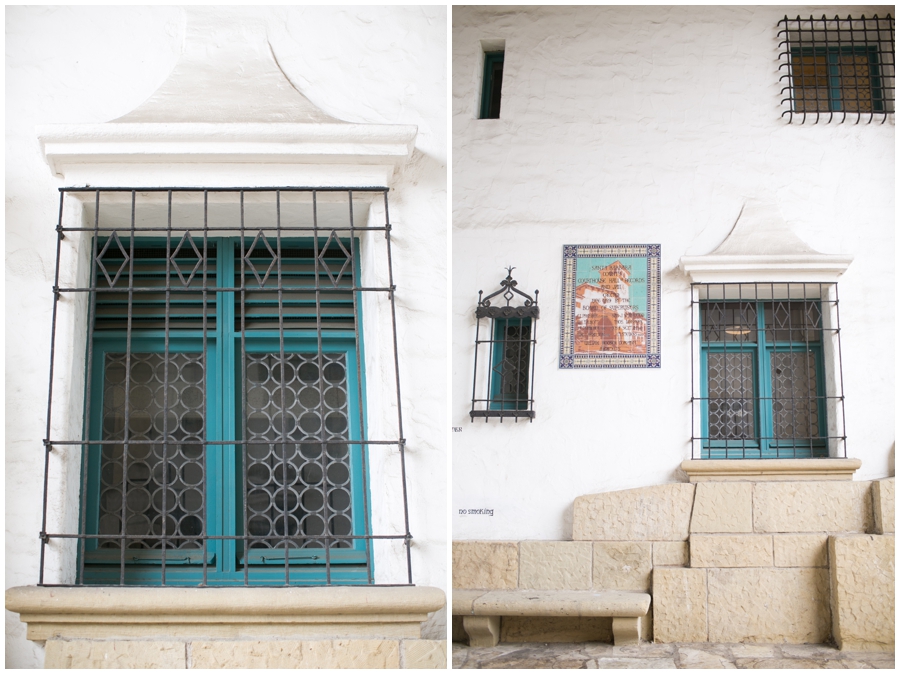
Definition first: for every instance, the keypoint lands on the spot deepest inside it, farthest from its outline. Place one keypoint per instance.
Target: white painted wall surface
(91, 65)
(643, 125)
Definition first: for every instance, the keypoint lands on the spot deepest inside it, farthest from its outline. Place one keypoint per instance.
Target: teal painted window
(837, 79)
(510, 361)
(227, 421)
(762, 379)
(492, 84)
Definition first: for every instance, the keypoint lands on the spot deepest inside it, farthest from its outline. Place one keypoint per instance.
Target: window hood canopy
(761, 248)
(226, 102)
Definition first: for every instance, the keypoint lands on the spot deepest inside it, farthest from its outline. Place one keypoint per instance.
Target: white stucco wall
(91, 65)
(643, 125)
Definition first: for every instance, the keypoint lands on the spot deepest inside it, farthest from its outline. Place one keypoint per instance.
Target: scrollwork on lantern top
(508, 291)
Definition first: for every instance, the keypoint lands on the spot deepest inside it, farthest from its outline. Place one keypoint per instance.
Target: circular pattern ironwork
(147, 477)
(293, 407)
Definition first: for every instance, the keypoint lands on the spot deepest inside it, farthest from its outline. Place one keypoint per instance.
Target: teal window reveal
(762, 379)
(837, 79)
(511, 360)
(491, 86)
(228, 418)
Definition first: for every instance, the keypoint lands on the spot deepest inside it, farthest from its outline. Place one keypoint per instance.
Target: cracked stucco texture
(883, 502)
(731, 551)
(289, 654)
(485, 565)
(86, 654)
(554, 565)
(679, 605)
(797, 507)
(769, 605)
(723, 507)
(659, 513)
(862, 578)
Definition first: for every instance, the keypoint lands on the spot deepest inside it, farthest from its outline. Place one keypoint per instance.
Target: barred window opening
(837, 69)
(506, 355)
(225, 437)
(768, 382)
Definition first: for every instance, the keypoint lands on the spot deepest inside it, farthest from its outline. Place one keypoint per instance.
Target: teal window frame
(225, 560)
(835, 87)
(498, 397)
(492, 85)
(763, 445)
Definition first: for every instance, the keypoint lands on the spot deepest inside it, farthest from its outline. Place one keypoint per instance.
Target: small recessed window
(837, 69)
(493, 81)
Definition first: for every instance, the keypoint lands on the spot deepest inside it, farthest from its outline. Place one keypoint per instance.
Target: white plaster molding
(226, 102)
(227, 73)
(762, 249)
(73, 146)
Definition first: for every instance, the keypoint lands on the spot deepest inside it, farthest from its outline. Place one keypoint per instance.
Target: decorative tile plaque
(610, 306)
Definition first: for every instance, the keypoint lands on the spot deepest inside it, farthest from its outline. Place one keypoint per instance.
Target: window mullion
(763, 386)
(226, 405)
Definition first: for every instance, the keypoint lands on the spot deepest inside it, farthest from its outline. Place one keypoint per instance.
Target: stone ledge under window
(226, 612)
(767, 470)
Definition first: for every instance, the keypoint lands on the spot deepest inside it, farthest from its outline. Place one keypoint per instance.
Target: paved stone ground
(665, 656)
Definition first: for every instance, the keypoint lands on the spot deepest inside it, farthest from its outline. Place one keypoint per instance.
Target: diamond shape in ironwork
(781, 315)
(102, 253)
(813, 315)
(261, 237)
(186, 238)
(333, 238)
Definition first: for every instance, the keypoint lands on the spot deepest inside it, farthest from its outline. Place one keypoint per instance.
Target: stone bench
(481, 610)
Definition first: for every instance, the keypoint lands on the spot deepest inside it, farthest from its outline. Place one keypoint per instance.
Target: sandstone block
(489, 565)
(862, 582)
(801, 549)
(659, 513)
(883, 503)
(292, 654)
(769, 605)
(670, 553)
(423, 654)
(622, 565)
(798, 507)
(483, 630)
(122, 654)
(517, 629)
(723, 507)
(725, 551)
(679, 605)
(555, 565)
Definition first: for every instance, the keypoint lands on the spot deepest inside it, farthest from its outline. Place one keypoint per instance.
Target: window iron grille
(179, 279)
(768, 383)
(837, 69)
(506, 354)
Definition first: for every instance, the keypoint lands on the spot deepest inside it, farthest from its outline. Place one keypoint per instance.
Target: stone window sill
(233, 612)
(769, 470)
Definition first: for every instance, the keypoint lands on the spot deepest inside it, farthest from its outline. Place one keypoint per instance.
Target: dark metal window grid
(799, 318)
(508, 370)
(837, 69)
(177, 238)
